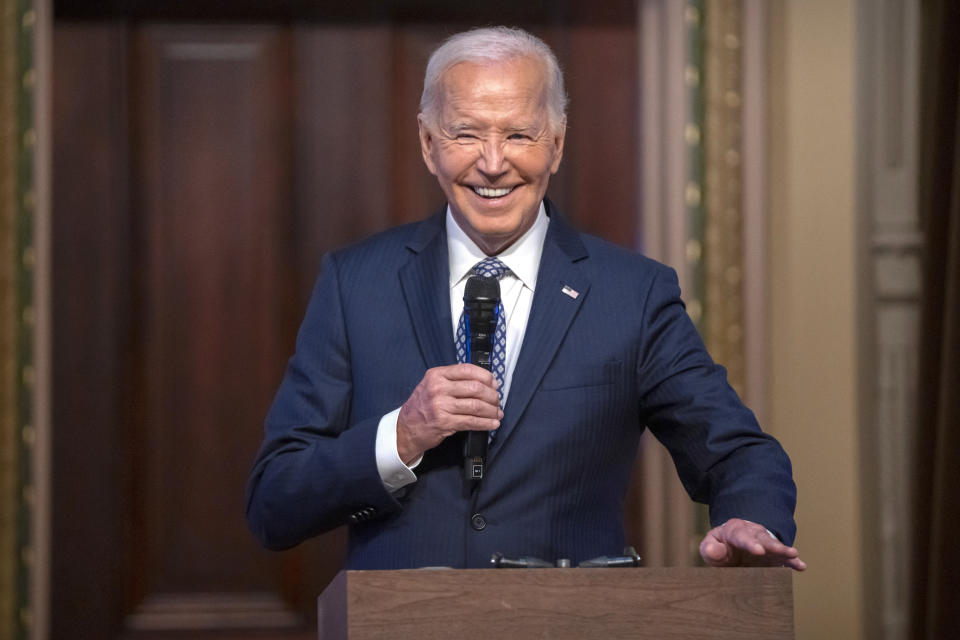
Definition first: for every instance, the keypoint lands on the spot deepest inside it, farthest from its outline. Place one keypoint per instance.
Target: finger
(467, 371)
(789, 557)
(781, 552)
(452, 423)
(466, 415)
(474, 407)
(478, 424)
(472, 389)
(745, 541)
(774, 561)
(780, 549)
(751, 538)
(715, 553)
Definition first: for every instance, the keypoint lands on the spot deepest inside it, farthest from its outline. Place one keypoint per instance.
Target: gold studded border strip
(9, 415)
(723, 228)
(26, 238)
(18, 140)
(694, 192)
(713, 194)
(9, 448)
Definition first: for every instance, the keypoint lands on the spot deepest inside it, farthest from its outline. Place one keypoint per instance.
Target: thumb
(714, 552)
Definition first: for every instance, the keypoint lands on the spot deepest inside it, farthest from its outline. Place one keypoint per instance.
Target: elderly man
(367, 427)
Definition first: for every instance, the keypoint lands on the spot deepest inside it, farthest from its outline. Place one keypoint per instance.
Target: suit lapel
(426, 288)
(551, 313)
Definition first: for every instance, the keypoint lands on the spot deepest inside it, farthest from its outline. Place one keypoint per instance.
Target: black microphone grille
(482, 288)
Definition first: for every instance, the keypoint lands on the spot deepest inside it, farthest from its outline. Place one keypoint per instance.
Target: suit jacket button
(478, 522)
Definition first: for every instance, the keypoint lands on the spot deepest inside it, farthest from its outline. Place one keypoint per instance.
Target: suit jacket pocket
(587, 375)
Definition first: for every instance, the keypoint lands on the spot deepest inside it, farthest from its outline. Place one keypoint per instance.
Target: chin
(496, 234)
(492, 228)
(484, 223)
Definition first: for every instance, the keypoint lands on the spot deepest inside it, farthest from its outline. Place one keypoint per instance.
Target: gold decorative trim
(723, 320)
(694, 191)
(18, 143)
(9, 440)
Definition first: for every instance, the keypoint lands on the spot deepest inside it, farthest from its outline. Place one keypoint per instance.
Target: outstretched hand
(458, 397)
(741, 543)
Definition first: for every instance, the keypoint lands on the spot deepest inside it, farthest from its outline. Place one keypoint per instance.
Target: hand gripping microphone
(481, 299)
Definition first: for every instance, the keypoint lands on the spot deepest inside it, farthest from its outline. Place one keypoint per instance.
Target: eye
(465, 136)
(518, 136)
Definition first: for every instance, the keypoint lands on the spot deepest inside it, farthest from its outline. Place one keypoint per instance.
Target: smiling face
(493, 148)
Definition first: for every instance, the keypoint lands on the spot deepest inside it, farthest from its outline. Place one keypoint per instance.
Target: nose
(492, 162)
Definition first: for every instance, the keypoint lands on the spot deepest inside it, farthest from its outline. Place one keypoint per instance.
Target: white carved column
(889, 297)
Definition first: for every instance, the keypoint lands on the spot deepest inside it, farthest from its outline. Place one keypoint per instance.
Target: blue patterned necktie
(490, 268)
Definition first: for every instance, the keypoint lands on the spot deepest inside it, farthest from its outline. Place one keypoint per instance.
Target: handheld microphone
(481, 299)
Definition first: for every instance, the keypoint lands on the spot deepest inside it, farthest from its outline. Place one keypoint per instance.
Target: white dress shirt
(516, 293)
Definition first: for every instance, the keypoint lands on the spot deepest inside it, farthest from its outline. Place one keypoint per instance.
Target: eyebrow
(526, 127)
(457, 127)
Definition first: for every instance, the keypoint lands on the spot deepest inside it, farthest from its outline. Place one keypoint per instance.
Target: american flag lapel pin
(570, 291)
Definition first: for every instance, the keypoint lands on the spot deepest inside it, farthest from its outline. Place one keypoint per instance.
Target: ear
(558, 141)
(426, 143)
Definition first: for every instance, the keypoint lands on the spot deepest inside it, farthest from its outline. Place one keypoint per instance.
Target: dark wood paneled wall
(201, 170)
(92, 300)
(212, 171)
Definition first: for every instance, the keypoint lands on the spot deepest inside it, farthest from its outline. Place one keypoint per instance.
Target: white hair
(493, 44)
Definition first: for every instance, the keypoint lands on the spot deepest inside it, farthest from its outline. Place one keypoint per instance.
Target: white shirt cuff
(394, 473)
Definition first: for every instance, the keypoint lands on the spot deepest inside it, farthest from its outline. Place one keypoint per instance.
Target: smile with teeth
(490, 192)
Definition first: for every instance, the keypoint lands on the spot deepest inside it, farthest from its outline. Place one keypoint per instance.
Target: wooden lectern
(490, 604)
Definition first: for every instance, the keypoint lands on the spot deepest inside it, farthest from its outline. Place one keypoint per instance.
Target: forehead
(507, 86)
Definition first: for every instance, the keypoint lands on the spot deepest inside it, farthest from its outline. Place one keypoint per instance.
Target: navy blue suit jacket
(593, 371)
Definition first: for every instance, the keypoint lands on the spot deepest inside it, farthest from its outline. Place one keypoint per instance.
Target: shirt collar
(522, 257)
